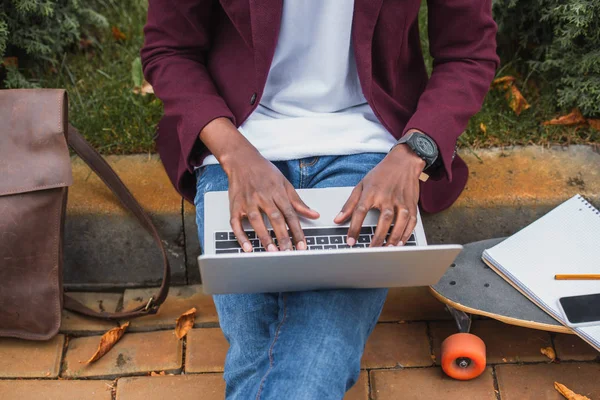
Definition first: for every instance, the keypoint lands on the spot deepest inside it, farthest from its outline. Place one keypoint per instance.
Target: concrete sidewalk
(401, 360)
(107, 249)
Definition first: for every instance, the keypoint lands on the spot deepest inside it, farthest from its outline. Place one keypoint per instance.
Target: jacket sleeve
(462, 37)
(173, 57)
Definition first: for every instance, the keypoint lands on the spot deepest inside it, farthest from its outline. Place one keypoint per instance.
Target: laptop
(328, 263)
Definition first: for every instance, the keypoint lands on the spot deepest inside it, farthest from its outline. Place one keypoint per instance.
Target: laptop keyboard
(316, 239)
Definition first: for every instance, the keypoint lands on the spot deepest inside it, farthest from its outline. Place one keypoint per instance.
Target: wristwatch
(422, 145)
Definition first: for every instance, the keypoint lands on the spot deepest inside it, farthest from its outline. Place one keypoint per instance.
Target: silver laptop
(327, 264)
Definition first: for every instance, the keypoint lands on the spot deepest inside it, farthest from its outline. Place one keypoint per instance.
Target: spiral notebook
(564, 241)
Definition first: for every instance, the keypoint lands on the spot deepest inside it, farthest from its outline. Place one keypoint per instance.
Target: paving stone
(30, 359)
(180, 300)
(429, 383)
(360, 390)
(504, 343)
(206, 350)
(572, 347)
(55, 390)
(397, 345)
(412, 304)
(77, 323)
(180, 387)
(134, 354)
(533, 382)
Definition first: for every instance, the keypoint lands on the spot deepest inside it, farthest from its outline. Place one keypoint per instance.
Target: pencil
(572, 277)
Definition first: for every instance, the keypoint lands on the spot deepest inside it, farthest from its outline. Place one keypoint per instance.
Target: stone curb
(106, 248)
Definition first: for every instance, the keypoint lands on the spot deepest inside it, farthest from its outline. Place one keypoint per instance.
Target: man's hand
(256, 186)
(393, 188)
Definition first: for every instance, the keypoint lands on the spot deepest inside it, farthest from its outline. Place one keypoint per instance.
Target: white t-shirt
(313, 104)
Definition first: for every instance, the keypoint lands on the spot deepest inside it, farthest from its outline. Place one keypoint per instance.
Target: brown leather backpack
(35, 173)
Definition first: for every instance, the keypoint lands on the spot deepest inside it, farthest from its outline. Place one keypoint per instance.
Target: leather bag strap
(95, 161)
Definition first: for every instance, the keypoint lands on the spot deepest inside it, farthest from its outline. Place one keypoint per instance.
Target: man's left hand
(392, 187)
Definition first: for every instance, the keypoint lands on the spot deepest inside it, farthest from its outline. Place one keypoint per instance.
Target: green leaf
(137, 74)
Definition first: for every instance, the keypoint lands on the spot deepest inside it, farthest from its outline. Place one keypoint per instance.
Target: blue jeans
(296, 345)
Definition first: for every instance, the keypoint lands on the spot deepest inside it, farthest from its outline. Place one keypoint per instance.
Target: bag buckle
(149, 304)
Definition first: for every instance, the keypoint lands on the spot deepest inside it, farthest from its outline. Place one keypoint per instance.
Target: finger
(411, 223)
(358, 216)
(238, 231)
(256, 220)
(278, 223)
(292, 221)
(386, 217)
(299, 205)
(402, 217)
(410, 227)
(350, 205)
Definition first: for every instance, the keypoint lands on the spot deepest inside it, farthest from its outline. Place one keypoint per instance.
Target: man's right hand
(256, 186)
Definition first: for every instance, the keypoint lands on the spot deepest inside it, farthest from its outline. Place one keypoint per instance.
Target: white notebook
(564, 241)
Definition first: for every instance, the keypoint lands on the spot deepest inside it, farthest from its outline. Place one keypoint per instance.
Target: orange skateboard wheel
(463, 356)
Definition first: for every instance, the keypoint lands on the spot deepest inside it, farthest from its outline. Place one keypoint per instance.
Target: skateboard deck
(473, 287)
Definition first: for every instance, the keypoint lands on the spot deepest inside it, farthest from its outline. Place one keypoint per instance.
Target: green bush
(38, 32)
(558, 42)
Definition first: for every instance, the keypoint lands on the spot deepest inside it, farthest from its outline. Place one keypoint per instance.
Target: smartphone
(581, 310)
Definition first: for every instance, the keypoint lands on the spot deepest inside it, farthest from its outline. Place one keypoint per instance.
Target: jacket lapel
(265, 19)
(365, 17)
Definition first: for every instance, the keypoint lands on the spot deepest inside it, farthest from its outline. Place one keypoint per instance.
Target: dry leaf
(107, 341)
(567, 393)
(10, 62)
(161, 373)
(483, 128)
(516, 101)
(594, 123)
(185, 322)
(573, 118)
(548, 352)
(117, 34)
(145, 89)
(85, 43)
(504, 82)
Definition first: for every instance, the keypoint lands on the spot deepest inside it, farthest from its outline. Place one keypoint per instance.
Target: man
(261, 98)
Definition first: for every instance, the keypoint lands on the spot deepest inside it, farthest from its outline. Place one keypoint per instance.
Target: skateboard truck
(463, 320)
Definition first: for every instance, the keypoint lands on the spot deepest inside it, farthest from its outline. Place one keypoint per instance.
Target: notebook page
(566, 240)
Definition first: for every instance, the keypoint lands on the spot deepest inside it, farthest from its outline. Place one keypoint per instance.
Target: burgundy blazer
(208, 59)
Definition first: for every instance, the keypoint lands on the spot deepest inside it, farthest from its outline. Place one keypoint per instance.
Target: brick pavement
(400, 360)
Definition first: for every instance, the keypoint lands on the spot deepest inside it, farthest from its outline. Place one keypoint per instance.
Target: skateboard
(470, 287)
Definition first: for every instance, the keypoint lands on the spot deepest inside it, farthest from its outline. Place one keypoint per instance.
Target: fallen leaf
(548, 352)
(161, 373)
(573, 118)
(516, 101)
(10, 62)
(483, 128)
(107, 341)
(145, 89)
(117, 34)
(568, 393)
(594, 123)
(85, 43)
(185, 322)
(504, 82)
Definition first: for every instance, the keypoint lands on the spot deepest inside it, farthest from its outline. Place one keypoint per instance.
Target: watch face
(425, 146)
